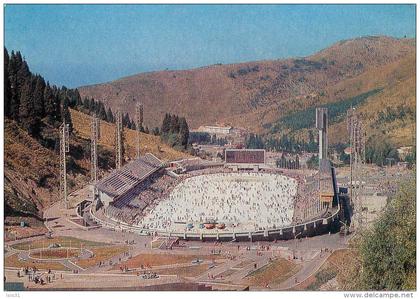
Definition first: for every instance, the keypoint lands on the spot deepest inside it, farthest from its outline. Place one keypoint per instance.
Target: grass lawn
(63, 241)
(190, 271)
(13, 261)
(152, 260)
(56, 253)
(101, 254)
(275, 272)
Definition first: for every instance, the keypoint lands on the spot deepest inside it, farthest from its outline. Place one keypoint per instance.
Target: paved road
(307, 270)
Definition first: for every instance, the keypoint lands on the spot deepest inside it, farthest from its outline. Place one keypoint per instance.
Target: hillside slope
(148, 143)
(256, 95)
(31, 170)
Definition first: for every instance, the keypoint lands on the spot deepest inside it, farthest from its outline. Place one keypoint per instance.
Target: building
(215, 130)
(245, 159)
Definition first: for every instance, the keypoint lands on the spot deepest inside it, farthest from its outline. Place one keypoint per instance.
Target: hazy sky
(77, 45)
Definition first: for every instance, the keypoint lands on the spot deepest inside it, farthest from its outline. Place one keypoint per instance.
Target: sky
(76, 45)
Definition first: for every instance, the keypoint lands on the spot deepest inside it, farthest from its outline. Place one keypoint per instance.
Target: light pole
(294, 251)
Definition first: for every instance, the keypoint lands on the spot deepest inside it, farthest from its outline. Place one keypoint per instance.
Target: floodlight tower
(139, 124)
(118, 140)
(322, 126)
(64, 148)
(94, 137)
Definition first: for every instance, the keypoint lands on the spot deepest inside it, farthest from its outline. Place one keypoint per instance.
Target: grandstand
(121, 184)
(186, 165)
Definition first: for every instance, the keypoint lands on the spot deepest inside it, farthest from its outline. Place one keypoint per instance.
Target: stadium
(241, 199)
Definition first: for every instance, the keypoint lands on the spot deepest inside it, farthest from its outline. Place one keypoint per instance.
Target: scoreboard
(251, 156)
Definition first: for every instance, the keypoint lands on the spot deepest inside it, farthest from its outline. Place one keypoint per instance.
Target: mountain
(259, 95)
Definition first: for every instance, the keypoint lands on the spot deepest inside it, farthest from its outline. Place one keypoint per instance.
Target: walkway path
(308, 269)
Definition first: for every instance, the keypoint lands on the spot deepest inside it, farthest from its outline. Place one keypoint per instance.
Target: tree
(126, 121)
(66, 116)
(378, 148)
(388, 252)
(29, 119)
(79, 102)
(14, 65)
(23, 73)
(50, 104)
(92, 106)
(155, 131)
(184, 132)
(411, 158)
(110, 116)
(38, 96)
(102, 113)
(174, 124)
(213, 139)
(166, 124)
(6, 82)
(86, 104)
(313, 162)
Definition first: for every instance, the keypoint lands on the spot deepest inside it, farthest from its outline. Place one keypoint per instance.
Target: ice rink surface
(242, 201)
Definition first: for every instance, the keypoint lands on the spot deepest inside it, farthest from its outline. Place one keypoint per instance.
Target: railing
(186, 234)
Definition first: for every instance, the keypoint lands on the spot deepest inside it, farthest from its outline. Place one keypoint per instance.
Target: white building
(215, 129)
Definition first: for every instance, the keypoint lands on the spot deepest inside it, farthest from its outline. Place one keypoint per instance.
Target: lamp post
(294, 251)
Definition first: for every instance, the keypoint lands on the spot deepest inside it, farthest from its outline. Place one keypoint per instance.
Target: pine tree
(166, 124)
(184, 131)
(23, 73)
(79, 102)
(156, 131)
(7, 89)
(29, 119)
(13, 108)
(86, 104)
(38, 96)
(102, 113)
(49, 104)
(110, 116)
(174, 124)
(92, 106)
(126, 121)
(65, 114)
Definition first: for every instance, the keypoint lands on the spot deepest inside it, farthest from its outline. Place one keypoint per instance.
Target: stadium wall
(311, 228)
